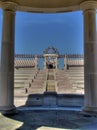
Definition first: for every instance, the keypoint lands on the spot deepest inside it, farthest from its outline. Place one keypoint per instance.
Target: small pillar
(56, 62)
(65, 62)
(36, 62)
(45, 63)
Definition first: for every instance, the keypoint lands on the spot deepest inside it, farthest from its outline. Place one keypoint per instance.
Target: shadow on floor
(38, 120)
(44, 120)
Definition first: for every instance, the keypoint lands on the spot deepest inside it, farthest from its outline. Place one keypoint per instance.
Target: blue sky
(35, 32)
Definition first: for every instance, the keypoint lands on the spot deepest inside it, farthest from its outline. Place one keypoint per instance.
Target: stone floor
(27, 119)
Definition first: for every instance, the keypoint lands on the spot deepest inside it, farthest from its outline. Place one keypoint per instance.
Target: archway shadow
(32, 119)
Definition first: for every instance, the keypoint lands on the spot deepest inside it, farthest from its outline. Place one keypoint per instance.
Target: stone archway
(50, 55)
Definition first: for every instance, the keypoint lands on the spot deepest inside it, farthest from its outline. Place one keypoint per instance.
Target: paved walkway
(35, 119)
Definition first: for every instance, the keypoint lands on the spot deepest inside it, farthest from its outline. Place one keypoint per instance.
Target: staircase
(50, 85)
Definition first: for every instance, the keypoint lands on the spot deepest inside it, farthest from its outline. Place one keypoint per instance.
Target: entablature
(48, 6)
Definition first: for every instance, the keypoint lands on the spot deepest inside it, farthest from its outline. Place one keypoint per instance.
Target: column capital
(10, 6)
(88, 5)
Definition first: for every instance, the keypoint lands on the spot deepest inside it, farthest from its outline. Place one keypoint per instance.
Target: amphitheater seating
(77, 76)
(70, 81)
(33, 81)
(23, 78)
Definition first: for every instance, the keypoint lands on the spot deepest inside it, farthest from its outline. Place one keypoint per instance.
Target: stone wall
(53, 100)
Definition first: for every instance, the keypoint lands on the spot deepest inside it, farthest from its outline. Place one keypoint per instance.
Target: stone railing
(24, 61)
(30, 61)
(21, 63)
(73, 60)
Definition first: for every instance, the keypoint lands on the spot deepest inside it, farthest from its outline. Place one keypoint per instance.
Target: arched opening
(50, 66)
(42, 32)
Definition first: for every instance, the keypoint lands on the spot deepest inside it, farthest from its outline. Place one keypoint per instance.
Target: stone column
(65, 62)
(44, 62)
(36, 62)
(7, 60)
(90, 55)
(56, 62)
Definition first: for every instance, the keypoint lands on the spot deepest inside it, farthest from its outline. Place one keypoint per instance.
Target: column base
(89, 111)
(6, 110)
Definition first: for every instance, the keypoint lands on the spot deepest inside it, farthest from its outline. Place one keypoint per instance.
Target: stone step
(70, 74)
(21, 85)
(77, 78)
(41, 78)
(50, 77)
(22, 74)
(25, 72)
(75, 72)
(77, 84)
(80, 82)
(80, 86)
(41, 75)
(38, 80)
(38, 84)
(23, 77)
(22, 80)
(77, 75)
(76, 68)
(51, 89)
(36, 90)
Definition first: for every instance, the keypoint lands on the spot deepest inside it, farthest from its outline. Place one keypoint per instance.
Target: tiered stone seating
(76, 74)
(64, 85)
(38, 86)
(46, 82)
(70, 81)
(23, 78)
(41, 81)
